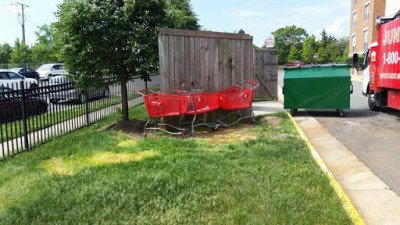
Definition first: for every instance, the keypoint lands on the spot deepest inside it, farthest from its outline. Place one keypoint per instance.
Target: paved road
(374, 137)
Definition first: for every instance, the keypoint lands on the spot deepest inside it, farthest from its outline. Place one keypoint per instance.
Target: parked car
(12, 80)
(48, 70)
(10, 105)
(295, 64)
(26, 72)
(65, 89)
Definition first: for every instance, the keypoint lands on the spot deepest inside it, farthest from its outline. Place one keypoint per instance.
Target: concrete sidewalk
(372, 198)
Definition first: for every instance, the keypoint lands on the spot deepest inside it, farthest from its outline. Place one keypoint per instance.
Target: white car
(48, 70)
(12, 80)
(65, 89)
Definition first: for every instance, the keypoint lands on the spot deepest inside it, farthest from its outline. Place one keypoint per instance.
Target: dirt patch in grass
(133, 126)
(228, 135)
(274, 121)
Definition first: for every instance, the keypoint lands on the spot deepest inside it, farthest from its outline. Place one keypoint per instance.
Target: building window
(354, 19)
(355, 2)
(365, 43)
(353, 44)
(366, 12)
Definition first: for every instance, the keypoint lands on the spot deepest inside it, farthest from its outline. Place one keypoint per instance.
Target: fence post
(24, 123)
(87, 108)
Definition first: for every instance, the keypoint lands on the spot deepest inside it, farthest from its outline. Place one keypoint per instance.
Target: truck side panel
(388, 56)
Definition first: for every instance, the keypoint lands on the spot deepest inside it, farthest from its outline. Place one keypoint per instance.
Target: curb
(346, 202)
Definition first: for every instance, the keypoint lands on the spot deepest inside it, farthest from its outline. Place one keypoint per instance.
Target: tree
(21, 53)
(294, 54)
(181, 15)
(287, 37)
(333, 51)
(322, 55)
(326, 39)
(101, 37)
(45, 49)
(309, 49)
(5, 53)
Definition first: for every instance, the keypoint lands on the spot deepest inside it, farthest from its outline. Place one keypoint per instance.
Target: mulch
(130, 126)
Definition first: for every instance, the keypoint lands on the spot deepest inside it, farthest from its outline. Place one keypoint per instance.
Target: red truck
(381, 67)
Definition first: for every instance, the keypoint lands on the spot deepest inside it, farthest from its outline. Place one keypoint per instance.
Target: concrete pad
(267, 107)
(371, 197)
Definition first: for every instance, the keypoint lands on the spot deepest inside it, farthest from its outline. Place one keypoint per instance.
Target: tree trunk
(124, 95)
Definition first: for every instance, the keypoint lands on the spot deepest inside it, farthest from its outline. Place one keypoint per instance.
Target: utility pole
(22, 18)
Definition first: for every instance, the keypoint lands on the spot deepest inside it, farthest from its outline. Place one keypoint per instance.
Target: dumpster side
(322, 87)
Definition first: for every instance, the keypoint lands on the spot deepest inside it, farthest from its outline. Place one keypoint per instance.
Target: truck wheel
(372, 103)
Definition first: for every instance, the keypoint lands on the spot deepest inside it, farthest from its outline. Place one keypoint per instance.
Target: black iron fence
(32, 113)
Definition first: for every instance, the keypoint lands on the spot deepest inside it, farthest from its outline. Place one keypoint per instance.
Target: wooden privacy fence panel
(266, 73)
(204, 60)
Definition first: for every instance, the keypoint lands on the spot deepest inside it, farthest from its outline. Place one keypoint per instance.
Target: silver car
(63, 88)
(49, 70)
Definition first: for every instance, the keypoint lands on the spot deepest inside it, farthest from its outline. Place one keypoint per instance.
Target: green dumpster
(317, 87)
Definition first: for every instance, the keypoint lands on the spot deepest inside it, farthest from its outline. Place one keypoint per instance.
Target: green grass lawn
(261, 174)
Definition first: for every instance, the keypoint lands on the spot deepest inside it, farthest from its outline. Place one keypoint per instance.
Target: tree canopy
(309, 50)
(101, 37)
(286, 38)
(293, 43)
(21, 53)
(5, 53)
(45, 49)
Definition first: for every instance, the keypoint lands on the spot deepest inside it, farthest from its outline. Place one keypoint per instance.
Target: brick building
(362, 23)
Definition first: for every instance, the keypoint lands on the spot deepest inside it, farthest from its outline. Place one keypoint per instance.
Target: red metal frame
(239, 96)
(163, 105)
(202, 103)
(182, 103)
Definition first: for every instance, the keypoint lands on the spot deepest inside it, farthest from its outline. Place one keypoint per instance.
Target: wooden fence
(203, 60)
(266, 74)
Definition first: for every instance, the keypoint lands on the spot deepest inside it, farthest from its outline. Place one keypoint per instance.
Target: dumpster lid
(316, 66)
(330, 70)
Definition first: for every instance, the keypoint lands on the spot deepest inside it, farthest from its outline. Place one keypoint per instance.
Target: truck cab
(381, 66)
(365, 67)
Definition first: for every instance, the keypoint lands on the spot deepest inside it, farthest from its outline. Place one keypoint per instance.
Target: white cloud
(337, 27)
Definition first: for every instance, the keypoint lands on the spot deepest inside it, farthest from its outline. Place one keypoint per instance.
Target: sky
(257, 18)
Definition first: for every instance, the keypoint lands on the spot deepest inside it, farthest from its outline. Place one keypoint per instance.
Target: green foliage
(45, 49)
(286, 38)
(21, 53)
(294, 54)
(293, 43)
(181, 15)
(343, 45)
(333, 51)
(326, 39)
(5, 53)
(309, 50)
(119, 37)
(322, 55)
